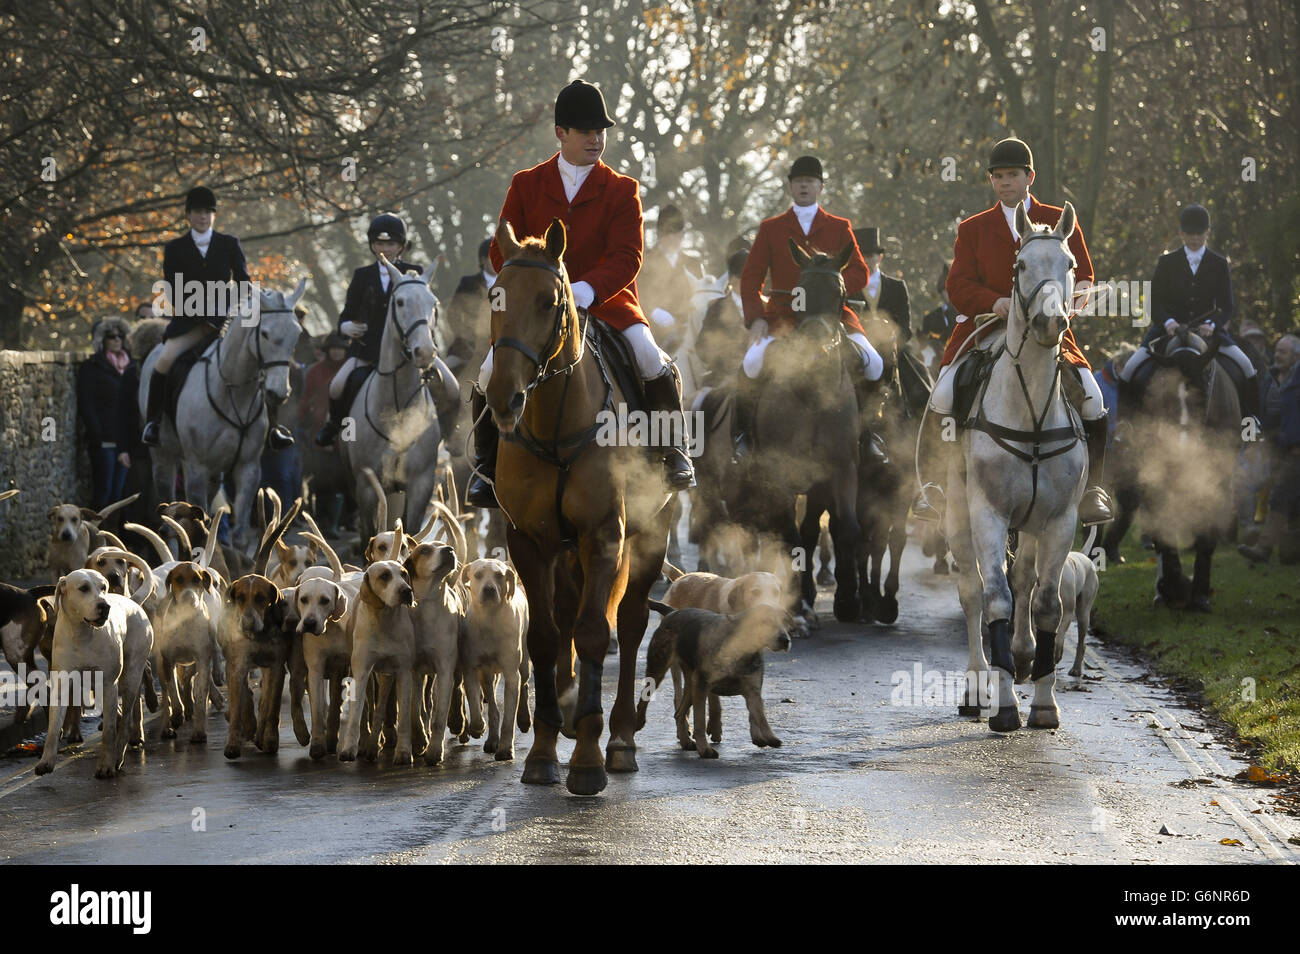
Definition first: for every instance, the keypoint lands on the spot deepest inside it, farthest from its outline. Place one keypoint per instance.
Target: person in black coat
(467, 314)
(365, 310)
(1193, 285)
(210, 258)
(884, 295)
(101, 389)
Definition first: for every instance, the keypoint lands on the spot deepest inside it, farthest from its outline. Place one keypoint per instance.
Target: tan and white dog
(496, 625)
(383, 643)
(96, 631)
(74, 533)
(1079, 585)
(323, 644)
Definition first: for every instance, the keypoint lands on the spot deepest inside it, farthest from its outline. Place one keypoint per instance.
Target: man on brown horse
(601, 211)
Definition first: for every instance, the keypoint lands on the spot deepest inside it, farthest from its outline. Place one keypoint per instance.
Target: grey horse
(1023, 467)
(392, 426)
(221, 419)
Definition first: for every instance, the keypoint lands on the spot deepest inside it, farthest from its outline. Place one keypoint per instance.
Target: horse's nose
(423, 356)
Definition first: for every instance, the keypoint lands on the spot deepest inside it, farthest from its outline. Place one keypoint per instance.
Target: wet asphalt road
(857, 779)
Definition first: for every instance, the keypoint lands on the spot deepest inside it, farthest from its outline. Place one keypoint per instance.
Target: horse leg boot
(871, 447)
(154, 412)
(479, 492)
(1006, 715)
(664, 394)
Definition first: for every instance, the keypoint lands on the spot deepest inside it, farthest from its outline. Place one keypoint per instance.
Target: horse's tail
(672, 572)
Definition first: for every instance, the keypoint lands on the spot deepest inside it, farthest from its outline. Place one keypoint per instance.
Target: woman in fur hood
(100, 391)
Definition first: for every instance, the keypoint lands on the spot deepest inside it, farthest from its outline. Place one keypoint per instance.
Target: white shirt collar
(805, 214)
(873, 283)
(1010, 215)
(572, 176)
(384, 278)
(201, 239)
(489, 277)
(1194, 258)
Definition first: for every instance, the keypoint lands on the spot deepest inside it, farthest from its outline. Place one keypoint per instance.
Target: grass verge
(1243, 659)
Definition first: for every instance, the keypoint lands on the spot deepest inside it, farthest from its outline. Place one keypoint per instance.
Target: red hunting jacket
(983, 269)
(770, 260)
(604, 232)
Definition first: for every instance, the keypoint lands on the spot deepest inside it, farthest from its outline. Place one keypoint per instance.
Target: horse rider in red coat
(601, 210)
(980, 282)
(811, 227)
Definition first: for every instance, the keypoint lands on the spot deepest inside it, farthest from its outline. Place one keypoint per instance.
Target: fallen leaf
(1229, 841)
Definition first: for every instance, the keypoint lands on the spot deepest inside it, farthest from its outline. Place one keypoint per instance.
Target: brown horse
(589, 523)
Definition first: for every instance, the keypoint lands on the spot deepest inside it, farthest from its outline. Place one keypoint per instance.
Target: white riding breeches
(871, 359)
(1143, 354)
(941, 398)
(651, 360)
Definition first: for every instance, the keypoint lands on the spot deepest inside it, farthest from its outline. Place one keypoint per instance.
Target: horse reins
(242, 426)
(1001, 435)
(555, 341)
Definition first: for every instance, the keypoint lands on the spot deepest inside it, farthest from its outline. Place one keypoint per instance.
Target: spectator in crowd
(1255, 344)
(314, 408)
(938, 323)
(1281, 419)
(99, 393)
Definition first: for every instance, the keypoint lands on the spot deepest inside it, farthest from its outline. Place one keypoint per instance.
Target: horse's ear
(801, 258)
(297, 294)
(426, 276)
(556, 240)
(393, 273)
(1023, 225)
(1065, 227)
(506, 241)
(842, 259)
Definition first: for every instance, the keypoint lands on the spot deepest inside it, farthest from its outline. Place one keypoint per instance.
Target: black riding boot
(744, 421)
(1249, 397)
(1095, 506)
(664, 393)
(154, 411)
(330, 432)
(479, 492)
(278, 436)
(871, 447)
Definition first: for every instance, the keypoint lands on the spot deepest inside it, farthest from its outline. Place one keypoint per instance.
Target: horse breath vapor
(77, 907)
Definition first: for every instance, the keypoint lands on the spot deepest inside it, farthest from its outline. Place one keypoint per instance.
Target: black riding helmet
(386, 227)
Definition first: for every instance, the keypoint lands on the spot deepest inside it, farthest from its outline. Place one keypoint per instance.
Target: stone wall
(42, 453)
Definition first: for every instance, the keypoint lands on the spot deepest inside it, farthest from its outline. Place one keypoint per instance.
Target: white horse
(1023, 467)
(392, 426)
(221, 420)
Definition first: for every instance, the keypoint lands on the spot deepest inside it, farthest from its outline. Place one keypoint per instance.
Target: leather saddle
(180, 370)
(616, 358)
(972, 374)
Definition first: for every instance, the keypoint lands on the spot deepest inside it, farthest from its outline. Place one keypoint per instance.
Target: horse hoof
(940, 567)
(541, 772)
(586, 779)
(168, 733)
(1005, 720)
(317, 751)
(505, 755)
(825, 578)
(887, 610)
(621, 759)
(1044, 717)
(232, 752)
(198, 738)
(965, 710)
(1024, 668)
(1199, 604)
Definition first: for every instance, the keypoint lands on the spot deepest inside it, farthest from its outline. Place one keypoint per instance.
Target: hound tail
(672, 572)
